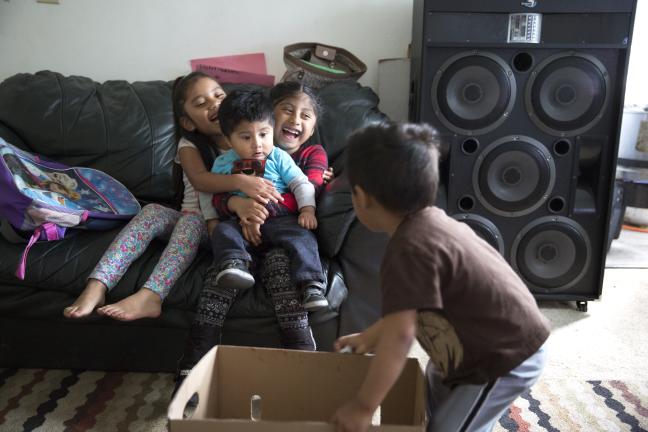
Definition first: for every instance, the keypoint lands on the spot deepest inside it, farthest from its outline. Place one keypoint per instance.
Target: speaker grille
(473, 92)
(567, 93)
(514, 175)
(484, 229)
(551, 253)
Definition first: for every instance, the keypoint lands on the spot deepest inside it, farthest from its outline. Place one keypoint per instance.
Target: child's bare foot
(143, 304)
(94, 295)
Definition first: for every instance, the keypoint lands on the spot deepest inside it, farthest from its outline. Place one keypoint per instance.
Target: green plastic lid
(324, 68)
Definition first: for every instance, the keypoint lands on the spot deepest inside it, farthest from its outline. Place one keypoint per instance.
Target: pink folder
(236, 69)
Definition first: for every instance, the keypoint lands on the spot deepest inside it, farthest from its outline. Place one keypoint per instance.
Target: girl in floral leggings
(196, 100)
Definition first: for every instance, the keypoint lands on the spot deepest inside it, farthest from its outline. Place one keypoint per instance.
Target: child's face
(295, 121)
(201, 106)
(252, 140)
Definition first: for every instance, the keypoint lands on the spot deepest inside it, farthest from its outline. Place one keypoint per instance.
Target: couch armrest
(348, 106)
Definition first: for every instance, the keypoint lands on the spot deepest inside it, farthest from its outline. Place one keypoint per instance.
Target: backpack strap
(48, 230)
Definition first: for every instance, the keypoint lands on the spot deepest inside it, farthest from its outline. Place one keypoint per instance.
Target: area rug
(77, 401)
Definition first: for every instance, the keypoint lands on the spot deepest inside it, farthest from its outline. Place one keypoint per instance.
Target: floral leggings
(185, 232)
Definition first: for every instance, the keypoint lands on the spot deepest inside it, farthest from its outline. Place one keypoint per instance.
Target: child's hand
(248, 210)
(252, 233)
(352, 417)
(328, 175)
(307, 217)
(211, 224)
(258, 188)
(356, 342)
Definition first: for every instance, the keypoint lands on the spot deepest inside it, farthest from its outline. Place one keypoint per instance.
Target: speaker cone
(567, 93)
(473, 93)
(514, 175)
(484, 229)
(551, 253)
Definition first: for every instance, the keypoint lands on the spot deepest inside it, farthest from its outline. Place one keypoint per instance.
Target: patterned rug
(77, 401)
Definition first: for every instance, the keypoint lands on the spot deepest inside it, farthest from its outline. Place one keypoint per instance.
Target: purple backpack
(46, 198)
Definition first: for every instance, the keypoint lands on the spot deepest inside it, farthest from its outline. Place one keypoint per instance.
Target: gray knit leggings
(216, 301)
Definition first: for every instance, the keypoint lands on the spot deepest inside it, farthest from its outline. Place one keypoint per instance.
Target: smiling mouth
(291, 133)
(213, 117)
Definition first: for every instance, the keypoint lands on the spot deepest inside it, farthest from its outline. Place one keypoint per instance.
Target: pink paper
(236, 69)
(253, 63)
(232, 76)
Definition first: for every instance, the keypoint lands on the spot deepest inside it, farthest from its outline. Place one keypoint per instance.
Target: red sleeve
(290, 202)
(220, 204)
(313, 162)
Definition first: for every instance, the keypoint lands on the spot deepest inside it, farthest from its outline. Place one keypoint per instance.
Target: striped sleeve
(313, 162)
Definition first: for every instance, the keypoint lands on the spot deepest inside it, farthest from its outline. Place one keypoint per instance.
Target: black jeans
(299, 243)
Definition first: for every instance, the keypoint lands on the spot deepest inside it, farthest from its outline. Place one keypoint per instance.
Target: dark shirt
(475, 317)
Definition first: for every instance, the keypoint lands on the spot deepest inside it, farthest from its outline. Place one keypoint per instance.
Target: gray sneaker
(314, 299)
(234, 273)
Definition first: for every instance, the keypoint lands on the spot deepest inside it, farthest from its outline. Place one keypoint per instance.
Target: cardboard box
(288, 390)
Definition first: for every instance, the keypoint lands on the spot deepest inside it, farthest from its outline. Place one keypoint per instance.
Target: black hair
(288, 89)
(241, 105)
(397, 164)
(205, 145)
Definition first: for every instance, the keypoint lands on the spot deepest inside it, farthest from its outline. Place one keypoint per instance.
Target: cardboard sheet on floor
(263, 389)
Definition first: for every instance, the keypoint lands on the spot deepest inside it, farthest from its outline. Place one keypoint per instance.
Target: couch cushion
(347, 107)
(124, 129)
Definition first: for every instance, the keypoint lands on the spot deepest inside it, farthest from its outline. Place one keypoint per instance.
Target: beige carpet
(610, 341)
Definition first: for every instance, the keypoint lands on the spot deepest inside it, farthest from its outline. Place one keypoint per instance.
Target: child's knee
(152, 209)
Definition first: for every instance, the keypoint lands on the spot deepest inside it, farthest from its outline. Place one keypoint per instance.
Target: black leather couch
(126, 130)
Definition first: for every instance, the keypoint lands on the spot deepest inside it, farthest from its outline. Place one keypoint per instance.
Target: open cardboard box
(263, 389)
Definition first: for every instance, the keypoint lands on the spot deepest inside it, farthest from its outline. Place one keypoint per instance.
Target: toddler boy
(246, 119)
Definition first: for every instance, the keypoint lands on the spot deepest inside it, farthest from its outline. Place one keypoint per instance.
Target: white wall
(637, 83)
(155, 39)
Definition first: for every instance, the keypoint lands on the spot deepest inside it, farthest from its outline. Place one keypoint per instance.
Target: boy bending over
(442, 284)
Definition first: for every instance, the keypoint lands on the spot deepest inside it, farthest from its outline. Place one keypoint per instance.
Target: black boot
(205, 332)
(201, 339)
(298, 339)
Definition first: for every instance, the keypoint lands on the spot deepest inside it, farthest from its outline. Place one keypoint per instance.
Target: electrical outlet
(48, 1)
